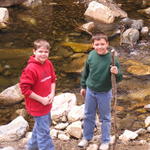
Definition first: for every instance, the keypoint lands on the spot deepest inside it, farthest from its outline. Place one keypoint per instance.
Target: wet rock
(32, 3)
(1, 68)
(139, 69)
(7, 3)
(75, 66)
(137, 24)
(145, 12)
(139, 95)
(77, 47)
(28, 19)
(88, 27)
(146, 3)
(130, 36)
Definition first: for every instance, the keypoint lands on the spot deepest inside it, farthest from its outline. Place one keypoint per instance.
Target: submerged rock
(78, 47)
(8, 3)
(139, 69)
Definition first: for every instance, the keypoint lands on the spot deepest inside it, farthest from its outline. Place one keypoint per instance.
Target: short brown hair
(99, 36)
(41, 43)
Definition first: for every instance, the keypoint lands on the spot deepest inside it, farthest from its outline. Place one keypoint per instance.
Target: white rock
(14, 130)
(112, 139)
(99, 12)
(92, 147)
(142, 142)
(32, 3)
(147, 107)
(62, 104)
(7, 148)
(4, 15)
(75, 129)
(144, 30)
(128, 135)
(61, 126)
(130, 36)
(147, 121)
(76, 113)
(148, 129)
(28, 135)
(140, 131)
(63, 137)
(11, 95)
(54, 133)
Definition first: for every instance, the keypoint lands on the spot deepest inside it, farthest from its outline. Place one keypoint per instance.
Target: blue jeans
(102, 100)
(41, 139)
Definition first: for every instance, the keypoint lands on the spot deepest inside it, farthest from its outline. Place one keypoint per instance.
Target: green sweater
(96, 74)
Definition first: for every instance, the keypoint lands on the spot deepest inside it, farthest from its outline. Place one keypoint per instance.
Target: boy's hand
(51, 97)
(45, 101)
(114, 69)
(82, 92)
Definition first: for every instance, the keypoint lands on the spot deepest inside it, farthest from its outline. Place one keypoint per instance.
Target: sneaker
(104, 146)
(83, 143)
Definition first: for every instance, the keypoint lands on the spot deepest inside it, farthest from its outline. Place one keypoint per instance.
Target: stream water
(57, 21)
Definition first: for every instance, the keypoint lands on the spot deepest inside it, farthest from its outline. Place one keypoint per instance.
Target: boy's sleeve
(119, 75)
(84, 75)
(27, 80)
(53, 73)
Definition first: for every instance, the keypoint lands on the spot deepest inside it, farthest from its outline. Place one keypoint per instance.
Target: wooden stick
(114, 98)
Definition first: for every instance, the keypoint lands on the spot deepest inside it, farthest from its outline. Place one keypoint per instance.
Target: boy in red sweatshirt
(37, 83)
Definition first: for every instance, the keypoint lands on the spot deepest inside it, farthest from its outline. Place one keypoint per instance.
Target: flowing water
(57, 22)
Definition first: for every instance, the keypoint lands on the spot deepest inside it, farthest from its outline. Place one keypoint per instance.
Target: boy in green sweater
(96, 87)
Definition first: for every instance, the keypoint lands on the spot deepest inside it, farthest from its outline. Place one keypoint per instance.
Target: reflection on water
(56, 21)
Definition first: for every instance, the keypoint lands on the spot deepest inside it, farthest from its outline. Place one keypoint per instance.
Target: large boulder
(62, 104)
(104, 11)
(14, 130)
(11, 95)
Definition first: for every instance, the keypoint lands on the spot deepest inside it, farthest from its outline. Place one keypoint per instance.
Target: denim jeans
(41, 139)
(102, 101)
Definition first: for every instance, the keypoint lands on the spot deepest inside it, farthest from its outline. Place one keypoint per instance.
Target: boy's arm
(84, 75)
(52, 94)
(42, 100)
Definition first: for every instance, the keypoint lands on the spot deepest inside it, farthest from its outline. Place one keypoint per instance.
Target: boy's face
(41, 54)
(100, 46)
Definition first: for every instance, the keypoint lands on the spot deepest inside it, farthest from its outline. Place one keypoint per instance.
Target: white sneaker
(83, 143)
(104, 146)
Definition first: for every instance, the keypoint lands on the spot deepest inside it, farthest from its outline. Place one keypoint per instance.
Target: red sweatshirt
(38, 78)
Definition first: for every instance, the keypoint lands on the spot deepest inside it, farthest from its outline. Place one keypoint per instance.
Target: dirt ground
(72, 145)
